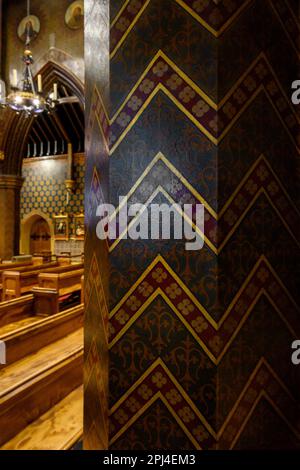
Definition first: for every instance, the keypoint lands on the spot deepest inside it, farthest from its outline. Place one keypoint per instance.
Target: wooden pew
(30, 338)
(64, 269)
(42, 301)
(63, 282)
(16, 309)
(34, 267)
(21, 258)
(44, 366)
(17, 283)
(22, 264)
(56, 290)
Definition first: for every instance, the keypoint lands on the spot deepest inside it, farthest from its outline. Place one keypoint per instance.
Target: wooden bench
(30, 338)
(16, 309)
(64, 268)
(42, 302)
(17, 283)
(12, 265)
(63, 282)
(7, 265)
(57, 291)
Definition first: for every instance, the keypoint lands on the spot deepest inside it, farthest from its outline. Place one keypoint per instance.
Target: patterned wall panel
(96, 252)
(199, 342)
(163, 299)
(44, 187)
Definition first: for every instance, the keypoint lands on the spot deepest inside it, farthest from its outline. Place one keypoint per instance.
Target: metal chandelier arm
(28, 39)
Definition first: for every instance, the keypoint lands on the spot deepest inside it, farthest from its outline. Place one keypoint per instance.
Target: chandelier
(26, 97)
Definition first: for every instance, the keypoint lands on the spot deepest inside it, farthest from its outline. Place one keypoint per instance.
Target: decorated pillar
(96, 278)
(200, 342)
(10, 187)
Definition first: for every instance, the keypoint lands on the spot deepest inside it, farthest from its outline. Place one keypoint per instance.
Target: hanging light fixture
(26, 97)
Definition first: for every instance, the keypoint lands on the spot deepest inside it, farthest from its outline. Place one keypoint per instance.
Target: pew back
(16, 309)
(64, 283)
(17, 283)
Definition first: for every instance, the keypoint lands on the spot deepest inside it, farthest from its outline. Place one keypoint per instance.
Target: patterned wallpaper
(44, 188)
(199, 342)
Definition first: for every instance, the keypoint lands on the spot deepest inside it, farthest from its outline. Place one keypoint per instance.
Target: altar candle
(52, 38)
(55, 91)
(15, 78)
(40, 85)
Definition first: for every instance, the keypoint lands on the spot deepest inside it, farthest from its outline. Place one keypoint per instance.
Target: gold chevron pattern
(240, 275)
(96, 392)
(157, 383)
(215, 338)
(289, 22)
(260, 179)
(98, 114)
(95, 372)
(213, 17)
(213, 120)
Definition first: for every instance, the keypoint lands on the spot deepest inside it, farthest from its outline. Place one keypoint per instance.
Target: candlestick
(70, 161)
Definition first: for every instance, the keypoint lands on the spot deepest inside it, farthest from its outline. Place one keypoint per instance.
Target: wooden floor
(41, 398)
(58, 429)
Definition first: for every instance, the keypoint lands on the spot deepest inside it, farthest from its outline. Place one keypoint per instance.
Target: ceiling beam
(58, 123)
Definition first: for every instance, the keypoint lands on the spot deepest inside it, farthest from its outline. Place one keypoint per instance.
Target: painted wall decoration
(49, 29)
(199, 343)
(79, 226)
(61, 227)
(30, 25)
(75, 15)
(44, 188)
(96, 277)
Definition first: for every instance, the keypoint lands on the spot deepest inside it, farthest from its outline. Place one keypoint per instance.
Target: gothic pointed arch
(18, 128)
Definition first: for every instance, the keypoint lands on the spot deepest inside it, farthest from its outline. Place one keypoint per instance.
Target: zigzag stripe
(221, 19)
(91, 369)
(215, 338)
(93, 281)
(263, 382)
(98, 113)
(288, 21)
(212, 120)
(260, 179)
(94, 364)
(159, 383)
(216, 19)
(95, 195)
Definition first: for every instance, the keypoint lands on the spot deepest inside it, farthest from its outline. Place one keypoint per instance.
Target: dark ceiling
(51, 133)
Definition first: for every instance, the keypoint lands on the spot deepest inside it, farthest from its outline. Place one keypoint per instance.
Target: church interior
(42, 235)
(140, 344)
